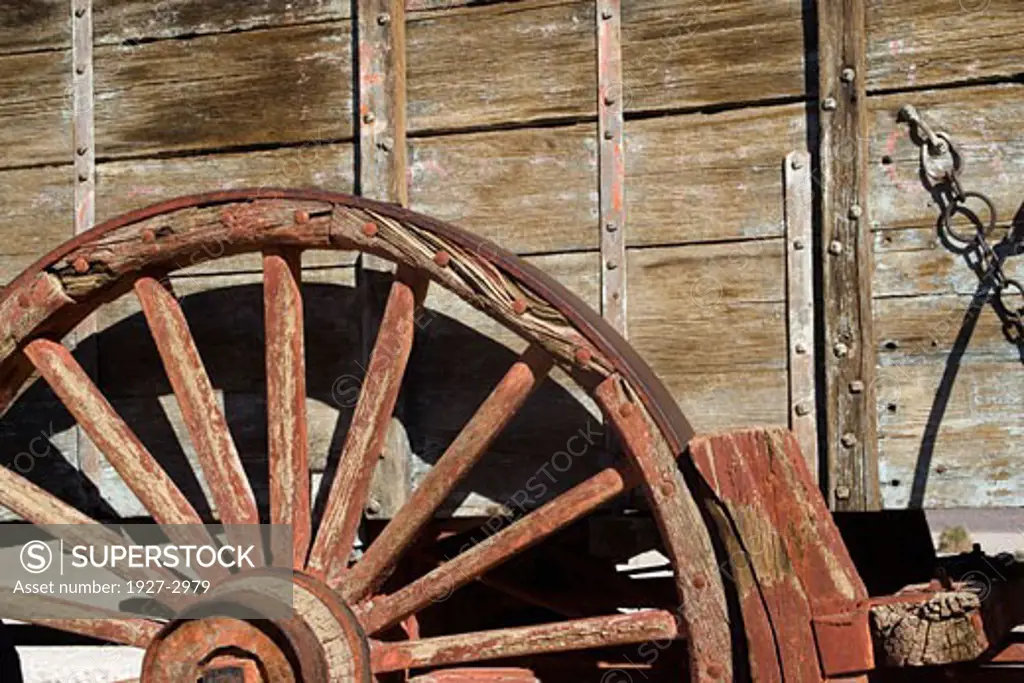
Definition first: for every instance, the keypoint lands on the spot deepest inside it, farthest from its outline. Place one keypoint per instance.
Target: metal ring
(1016, 313)
(929, 161)
(982, 230)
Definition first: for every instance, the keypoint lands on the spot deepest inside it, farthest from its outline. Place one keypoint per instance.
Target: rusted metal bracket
(612, 163)
(84, 137)
(851, 435)
(803, 409)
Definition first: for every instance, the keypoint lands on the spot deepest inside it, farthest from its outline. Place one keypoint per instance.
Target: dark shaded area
(891, 548)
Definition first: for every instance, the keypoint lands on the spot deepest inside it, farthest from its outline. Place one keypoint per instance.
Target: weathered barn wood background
(503, 108)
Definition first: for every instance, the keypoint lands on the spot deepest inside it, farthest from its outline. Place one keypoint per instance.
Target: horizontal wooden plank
(918, 43)
(531, 190)
(35, 108)
(984, 122)
(520, 61)
(118, 21)
(691, 54)
(915, 261)
(214, 92)
(951, 443)
(34, 25)
(925, 329)
(703, 178)
(37, 215)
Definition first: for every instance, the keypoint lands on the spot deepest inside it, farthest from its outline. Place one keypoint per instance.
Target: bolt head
(856, 386)
(80, 69)
(699, 581)
(83, 177)
(798, 245)
(609, 99)
(835, 247)
(370, 229)
(583, 355)
(840, 350)
(848, 440)
(369, 117)
(611, 226)
(612, 265)
(608, 134)
(714, 670)
(80, 265)
(82, 150)
(519, 306)
(301, 217)
(796, 163)
(606, 14)
(829, 104)
(373, 506)
(842, 493)
(383, 18)
(801, 348)
(848, 75)
(80, 12)
(385, 144)
(856, 212)
(801, 409)
(442, 259)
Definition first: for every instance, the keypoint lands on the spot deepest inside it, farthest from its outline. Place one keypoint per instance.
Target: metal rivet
(82, 150)
(797, 163)
(848, 75)
(668, 489)
(80, 12)
(369, 229)
(373, 506)
(840, 349)
(699, 581)
(801, 348)
(856, 212)
(626, 410)
(301, 217)
(829, 103)
(798, 245)
(80, 69)
(606, 14)
(83, 177)
(611, 226)
(583, 355)
(80, 265)
(608, 134)
(369, 117)
(835, 247)
(848, 440)
(442, 258)
(385, 144)
(609, 99)
(801, 409)
(611, 265)
(384, 19)
(842, 493)
(519, 306)
(856, 386)
(714, 670)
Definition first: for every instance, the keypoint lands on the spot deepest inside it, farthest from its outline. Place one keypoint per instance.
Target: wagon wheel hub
(322, 641)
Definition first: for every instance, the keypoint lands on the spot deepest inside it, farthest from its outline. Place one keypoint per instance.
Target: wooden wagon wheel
(339, 604)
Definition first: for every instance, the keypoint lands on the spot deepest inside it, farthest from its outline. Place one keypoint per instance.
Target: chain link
(942, 163)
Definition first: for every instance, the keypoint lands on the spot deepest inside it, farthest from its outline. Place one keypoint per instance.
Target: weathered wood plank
(709, 177)
(914, 261)
(950, 446)
(263, 87)
(119, 21)
(34, 25)
(37, 215)
(35, 106)
(918, 43)
(984, 122)
(529, 190)
(690, 54)
(851, 477)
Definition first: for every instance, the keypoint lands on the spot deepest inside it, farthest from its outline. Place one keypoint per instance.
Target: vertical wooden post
(612, 163)
(846, 257)
(382, 174)
(83, 134)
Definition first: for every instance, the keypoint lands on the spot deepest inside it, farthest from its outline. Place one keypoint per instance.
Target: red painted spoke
(133, 632)
(465, 451)
(136, 465)
(138, 468)
(287, 437)
(365, 439)
(570, 506)
(35, 504)
(203, 416)
(565, 636)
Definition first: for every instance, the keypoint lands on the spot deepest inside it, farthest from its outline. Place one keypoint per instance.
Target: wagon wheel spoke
(134, 463)
(365, 438)
(287, 437)
(565, 636)
(577, 502)
(465, 451)
(204, 418)
(36, 505)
